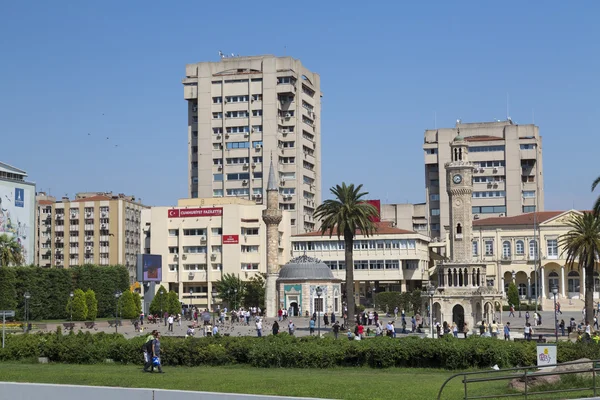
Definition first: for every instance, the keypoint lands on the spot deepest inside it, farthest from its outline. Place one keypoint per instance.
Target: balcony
(286, 88)
(190, 92)
(194, 276)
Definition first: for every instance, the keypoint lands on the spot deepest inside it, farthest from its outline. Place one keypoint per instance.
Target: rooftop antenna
(221, 55)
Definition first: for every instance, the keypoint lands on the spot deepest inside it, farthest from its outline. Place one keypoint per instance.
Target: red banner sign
(231, 239)
(195, 212)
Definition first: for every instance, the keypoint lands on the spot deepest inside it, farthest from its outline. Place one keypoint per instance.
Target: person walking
(562, 327)
(291, 328)
(336, 329)
(332, 318)
(507, 331)
(258, 324)
(147, 349)
(511, 312)
(311, 326)
(526, 317)
(170, 322)
(156, 353)
(275, 328)
(494, 329)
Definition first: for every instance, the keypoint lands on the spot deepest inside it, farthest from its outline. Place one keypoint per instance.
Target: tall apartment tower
(507, 178)
(242, 111)
(94, 228)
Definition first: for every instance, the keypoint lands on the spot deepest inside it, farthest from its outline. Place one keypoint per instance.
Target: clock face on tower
(457, 179)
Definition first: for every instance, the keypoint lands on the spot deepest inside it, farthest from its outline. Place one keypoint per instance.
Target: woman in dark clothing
(275, 328)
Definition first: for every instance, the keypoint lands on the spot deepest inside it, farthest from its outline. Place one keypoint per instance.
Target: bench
(539, 340)
(69, 325)
(90, 325)
(114, 322)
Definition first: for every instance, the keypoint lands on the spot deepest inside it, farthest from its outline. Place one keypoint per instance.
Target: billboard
(377, 205)
(195, 212)
(17, 213)
(149, 267)
(231, 239)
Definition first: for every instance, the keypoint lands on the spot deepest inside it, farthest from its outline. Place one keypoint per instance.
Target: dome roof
(305, 268)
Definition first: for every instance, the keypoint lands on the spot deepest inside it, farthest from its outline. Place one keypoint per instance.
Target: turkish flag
(173, 213)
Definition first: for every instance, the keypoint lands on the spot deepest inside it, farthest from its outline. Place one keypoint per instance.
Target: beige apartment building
(508, 177)
(525, 249)
(392, 259)
(202, 239)
(93, 228)
(410, 217)
(241, 112)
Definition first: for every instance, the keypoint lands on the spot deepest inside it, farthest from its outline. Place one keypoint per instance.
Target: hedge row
(289, 352)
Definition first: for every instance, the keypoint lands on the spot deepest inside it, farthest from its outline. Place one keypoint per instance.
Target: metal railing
(526, 375)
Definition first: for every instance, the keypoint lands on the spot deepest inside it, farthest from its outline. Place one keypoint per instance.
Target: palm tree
(10, 251)
(582, 245)
(597, 203)
(347, 214)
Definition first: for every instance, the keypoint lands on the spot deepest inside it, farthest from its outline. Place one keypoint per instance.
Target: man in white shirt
(259, 327)
(170, 321)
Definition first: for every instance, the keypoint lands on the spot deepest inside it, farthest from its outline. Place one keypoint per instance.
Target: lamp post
(117, 296)
(71, 307)
(212, 298)
(234, 299)
(319, 292)
(27, 297)
(554, 293)
(431, 292)
(374, 307)
(161, 292)
(191, 295)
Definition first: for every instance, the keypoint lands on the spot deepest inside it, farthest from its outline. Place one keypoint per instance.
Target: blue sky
(114, 68)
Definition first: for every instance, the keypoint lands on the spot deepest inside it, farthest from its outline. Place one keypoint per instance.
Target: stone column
(562, 281)
(542, 278)
(502, 285)
(272, 216)
(528, 287)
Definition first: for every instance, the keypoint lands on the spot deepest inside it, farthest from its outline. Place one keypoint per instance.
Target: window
(392, 264)
(287, 191)
(237, 114)
(520, 248)
(236, 160)
(217, 131)
(411, 264)
(287, 160)
(216, 231)
(237, 99)
(257, 128)
(286, 176)
(194, 249)
(217, 192)
(434, 182)
(533, 250)
(490, 164)
(216, 249)
(238, 176)
(173, 250)
(236, 129)
(530, 146)
(485, 149)
(528, 194)
(286, 144)
(506, 249)
(215, 115)
(218, 177)
(173, 232)
(497, 193)
(238, 192)
(194, 267)
(527, 179)
(249, 266)
(257, 97)
(489, 179)
(489, 247)
(286, 80)
(435, 211)
(528, 209)
(431, 151)
(217, 100)
(238, 145)
(249, 249)
(434, 197)
(285, 206)
(257, 144)
(250, 231)
(194, 232)
(489, 210)
(552, 247)
(474, 248)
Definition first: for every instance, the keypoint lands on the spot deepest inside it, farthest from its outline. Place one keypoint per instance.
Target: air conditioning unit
(244, 182)
(73, 215)
(226, 135)
(103, 226)
(495, 169)
(88, 214)
(481, 170)
(88, 238)
(213, 256)
(220, 167)
(253, 165)
(219, 137)
(195, 108)
(246, 165)
(203, 238)
(191, 275)
(175, 256)
(252, 130)
(184, 257)
(476, 216)
(288, 115)
(258, 146)
(88, 248)
(282, 182)
(284, 131)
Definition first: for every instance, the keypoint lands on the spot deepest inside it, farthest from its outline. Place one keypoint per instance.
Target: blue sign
(19, 197)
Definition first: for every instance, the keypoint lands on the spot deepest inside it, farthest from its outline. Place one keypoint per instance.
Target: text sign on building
(19, 197)
(195, 212)
(231, 239)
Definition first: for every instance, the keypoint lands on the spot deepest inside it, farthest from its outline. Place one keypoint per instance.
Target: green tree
(512, 294)
(127, 305)
(137, 300)
(415, 301)
(347, 215)
(159, 302)
(173, 303)
(8, 294)
(10, 251)
(582, 246)
(92, 304)
(597, 202)
(254, 294)
(77, 305)
(231, 290)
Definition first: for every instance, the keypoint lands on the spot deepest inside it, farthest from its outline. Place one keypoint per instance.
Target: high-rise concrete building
(507, 176)
(93, 228)
(241, 112)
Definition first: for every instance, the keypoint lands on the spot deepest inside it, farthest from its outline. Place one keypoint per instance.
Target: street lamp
(431, 292)
(71, 302)
(213, 295)
(117, 296)
(161, 293)
(319, 292)
(234, 299)
(27, 297)
(555, 292)
(374, 306)
(191, 295)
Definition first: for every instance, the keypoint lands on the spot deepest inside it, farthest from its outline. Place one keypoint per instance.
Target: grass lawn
(341, 383)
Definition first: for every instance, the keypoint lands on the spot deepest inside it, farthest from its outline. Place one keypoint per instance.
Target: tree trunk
(348, 248)
(589, 294)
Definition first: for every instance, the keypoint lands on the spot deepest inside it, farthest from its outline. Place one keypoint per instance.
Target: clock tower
(459, 175)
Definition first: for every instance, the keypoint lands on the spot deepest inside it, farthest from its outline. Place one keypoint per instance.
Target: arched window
(459, 229)
(520, 248)
(522, 289)
(506, 249)
(455, 154)
(533, 250)
(460, 154)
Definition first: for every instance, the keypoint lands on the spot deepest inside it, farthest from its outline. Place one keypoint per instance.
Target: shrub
(159, 302)
(512, 295)
(92, 305)
(76, 306)
(127, 305)
(173, 303)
